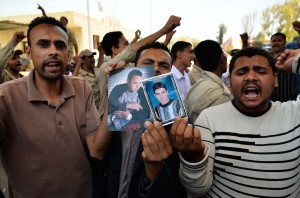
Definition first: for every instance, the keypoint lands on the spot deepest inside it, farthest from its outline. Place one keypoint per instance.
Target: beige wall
(77, 22)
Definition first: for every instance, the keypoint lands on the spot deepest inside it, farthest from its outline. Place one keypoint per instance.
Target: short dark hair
(179, 46)
(43, 20)
(63, 17)
(249, 52)
(111, 39)
(234, 51)
(154, 45)
(158, 85)
(279, 34)
(134, 73)
(208, 54)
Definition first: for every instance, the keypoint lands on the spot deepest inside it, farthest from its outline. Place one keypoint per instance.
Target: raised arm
(296, 26)
(76, 48)
(195, 172)
(171, 24)
(42, 9)
(101, 54)
(169, 37)
(78, 62)
(244, 38)
(137, 36)
(6, 51)
(98, 143)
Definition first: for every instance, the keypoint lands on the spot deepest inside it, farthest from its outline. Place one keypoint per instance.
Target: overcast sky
(200, 18)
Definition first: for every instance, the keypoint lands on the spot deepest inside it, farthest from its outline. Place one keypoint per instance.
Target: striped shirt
(286, 89)
(247, 156)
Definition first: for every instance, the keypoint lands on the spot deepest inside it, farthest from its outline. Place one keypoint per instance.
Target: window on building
(96, 40)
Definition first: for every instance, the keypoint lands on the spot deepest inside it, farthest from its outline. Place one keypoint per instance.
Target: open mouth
(53, 66)
(251, 91)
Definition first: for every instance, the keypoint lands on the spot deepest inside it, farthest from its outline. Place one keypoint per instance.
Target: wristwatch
(129, 117)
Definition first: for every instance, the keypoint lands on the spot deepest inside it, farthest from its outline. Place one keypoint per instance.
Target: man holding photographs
(167, 108)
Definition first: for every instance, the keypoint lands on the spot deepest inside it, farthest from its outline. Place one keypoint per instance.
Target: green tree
(267, 22)
(221, 33)
(260, 37)
(279, 18)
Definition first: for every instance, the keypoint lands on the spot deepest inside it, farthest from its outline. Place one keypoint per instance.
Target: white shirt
(183, 82)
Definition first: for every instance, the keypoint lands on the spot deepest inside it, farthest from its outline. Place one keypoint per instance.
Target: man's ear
(114, 50)
(179, 54)
(275, 80)
(28, 52)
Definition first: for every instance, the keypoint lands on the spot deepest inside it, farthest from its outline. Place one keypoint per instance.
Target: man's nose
(251, 75)
(156, 69)
(53, 50)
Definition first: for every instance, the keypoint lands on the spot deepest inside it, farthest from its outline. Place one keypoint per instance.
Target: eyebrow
(255, 67)
(48, 40)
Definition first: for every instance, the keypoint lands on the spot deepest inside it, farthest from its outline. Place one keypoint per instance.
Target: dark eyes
(244, 71)
(164, 66)
(43, 44)
(241, 72)
(161, 65)
(261, 71)
(148, 62)
(58, 44)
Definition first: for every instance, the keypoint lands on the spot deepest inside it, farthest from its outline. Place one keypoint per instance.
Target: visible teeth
(52, 64)
(251, 89)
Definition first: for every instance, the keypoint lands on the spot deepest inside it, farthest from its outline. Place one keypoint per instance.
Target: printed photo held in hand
(127, 105)
(164, 98)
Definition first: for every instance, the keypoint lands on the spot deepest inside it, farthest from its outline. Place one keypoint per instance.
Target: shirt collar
(85, 73)
(177, 73)
(35, 95)
(217, 79)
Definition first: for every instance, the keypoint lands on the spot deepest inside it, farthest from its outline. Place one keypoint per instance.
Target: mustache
(53, 58)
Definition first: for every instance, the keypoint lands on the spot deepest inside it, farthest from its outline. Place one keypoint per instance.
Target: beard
(50, 76)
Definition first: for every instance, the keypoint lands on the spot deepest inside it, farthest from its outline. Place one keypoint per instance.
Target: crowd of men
(240, 137)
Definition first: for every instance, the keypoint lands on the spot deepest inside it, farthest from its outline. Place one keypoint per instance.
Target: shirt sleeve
(197, 177)
(5, 54)
(3, 115)
(91, 114)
